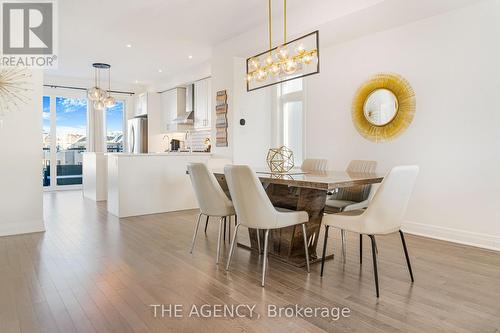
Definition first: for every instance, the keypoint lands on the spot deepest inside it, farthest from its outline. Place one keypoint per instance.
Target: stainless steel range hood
(187, 118)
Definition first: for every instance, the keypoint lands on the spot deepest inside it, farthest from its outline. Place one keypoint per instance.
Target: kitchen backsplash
(197, 140)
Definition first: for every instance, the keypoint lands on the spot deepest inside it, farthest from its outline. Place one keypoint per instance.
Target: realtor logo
(28, 28)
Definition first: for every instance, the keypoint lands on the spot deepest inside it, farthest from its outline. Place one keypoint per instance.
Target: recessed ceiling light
(190, 57)
(128, 46)
(160, 70)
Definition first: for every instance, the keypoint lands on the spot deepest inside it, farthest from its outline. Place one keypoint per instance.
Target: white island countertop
(140, 184)
(161, 154)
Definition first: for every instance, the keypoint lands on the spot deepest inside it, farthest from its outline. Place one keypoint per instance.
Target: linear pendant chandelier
(291, 60)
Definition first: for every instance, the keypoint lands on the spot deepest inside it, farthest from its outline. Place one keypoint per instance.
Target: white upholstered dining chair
(211, 199)
(311, 164)
(255, 210)
(383, 216)
(353, 198)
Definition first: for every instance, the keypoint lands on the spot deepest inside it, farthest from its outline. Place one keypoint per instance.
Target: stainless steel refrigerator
(137, 134)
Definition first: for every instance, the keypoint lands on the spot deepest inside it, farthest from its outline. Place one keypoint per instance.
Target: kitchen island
(141, 184)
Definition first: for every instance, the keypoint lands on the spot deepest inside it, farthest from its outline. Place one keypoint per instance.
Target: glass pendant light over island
(291, 60)
(101, 98)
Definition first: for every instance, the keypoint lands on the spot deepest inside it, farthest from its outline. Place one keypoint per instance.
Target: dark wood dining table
(300, 191)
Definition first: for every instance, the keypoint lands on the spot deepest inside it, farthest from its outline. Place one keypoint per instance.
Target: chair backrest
(361, 166)
(252, 205)
(357, 193)
(388, 208)
(210, 196)
(311, 165)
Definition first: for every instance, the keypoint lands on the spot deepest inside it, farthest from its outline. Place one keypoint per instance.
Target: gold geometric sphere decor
(383, 107)
(280, 160)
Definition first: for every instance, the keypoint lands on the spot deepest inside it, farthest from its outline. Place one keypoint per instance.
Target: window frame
(278, 102)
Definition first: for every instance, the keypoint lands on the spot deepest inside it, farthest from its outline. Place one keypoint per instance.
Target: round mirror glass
(380, 107)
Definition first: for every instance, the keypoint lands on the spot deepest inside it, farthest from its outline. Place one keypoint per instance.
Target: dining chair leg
(360, 249)
(258, 239)
(225, 228)
(195, 232)
(219, 239)
(264, 261)
(229, 228)
(406, 254)
(206, 223)
(231, 250)
(324, 250)
(374, 254)
(342, 236)
(306, 247)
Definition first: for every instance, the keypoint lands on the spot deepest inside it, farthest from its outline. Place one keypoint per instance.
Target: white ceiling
(163, 33)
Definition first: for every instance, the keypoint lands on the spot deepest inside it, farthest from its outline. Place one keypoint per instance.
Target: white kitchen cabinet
(202, 103)
(141, 105)
(173, 103)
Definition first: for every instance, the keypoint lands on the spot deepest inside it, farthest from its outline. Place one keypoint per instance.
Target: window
(71, 139)
(114, 127)
(289, 120)
(64, 140)
(46, 141)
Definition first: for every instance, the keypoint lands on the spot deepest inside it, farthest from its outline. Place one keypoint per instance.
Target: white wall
(252, 140)
(451, 61)
(21, 200)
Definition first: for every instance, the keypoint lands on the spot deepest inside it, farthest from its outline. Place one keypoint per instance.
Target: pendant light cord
(284, 22)
(270, 26)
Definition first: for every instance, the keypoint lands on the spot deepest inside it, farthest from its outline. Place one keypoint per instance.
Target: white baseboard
(21, 227)
(453, 235)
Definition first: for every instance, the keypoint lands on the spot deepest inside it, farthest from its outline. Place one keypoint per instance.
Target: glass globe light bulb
(282, 52)
(249, 77)
(307, 59)
(101, 94)
(109, 102)
(261, 75)
(99, 105)
(269, 60)
(300, 49)
(254, 64)
(93, 93)
(290, 66)
(275, 69)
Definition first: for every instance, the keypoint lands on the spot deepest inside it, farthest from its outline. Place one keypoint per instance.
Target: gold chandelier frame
(277, 66)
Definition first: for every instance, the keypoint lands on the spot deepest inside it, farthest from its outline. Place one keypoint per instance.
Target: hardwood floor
(90, 272)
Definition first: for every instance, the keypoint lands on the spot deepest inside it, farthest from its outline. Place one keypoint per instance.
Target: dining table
(300, 191)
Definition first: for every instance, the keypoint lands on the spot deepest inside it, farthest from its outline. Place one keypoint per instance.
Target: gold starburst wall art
(383, 107)
(14, 89)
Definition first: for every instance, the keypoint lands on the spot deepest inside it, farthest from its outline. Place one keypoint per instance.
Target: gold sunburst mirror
(383, 107)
